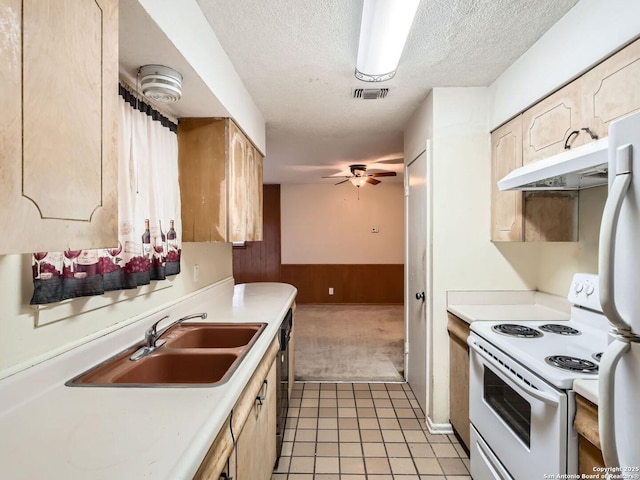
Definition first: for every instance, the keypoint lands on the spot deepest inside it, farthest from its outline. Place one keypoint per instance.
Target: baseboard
(439, 428)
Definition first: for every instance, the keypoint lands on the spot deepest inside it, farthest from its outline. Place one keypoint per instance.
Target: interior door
(416, 295)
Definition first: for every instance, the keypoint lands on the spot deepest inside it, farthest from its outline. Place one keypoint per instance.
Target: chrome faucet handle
(151, 335)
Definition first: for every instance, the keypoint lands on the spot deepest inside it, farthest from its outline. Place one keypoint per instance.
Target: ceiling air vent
(370, 93)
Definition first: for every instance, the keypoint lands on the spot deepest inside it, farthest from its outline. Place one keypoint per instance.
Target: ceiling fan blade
(342, 182)
(373, 181)
(339, 176)
(382, 174)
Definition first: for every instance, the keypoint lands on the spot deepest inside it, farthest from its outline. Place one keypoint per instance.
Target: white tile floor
(364, 431)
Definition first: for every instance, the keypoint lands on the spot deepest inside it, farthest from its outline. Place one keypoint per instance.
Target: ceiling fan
(359, 176)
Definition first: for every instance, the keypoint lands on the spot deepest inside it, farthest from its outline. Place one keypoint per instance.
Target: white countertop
(472, 306)
(588, 389)
(49, 430)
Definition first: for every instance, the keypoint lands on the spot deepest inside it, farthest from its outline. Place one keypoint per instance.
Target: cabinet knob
(420, 296)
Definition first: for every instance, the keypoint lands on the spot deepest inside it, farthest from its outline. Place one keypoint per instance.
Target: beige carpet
(349, 343)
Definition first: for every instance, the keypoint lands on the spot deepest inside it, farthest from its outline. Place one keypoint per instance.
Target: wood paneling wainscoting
(354, 283)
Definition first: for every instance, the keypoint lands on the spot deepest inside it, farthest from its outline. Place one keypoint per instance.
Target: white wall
(587, 34)
(22, 343)
(328, 224)
(464, 258)
(418, 129)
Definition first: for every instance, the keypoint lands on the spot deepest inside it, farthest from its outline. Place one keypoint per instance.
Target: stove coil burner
(514, 330)
(559, 329)
(572, 364)
(597, 356)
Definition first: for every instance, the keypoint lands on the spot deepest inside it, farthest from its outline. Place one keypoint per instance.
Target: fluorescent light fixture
(383, 33)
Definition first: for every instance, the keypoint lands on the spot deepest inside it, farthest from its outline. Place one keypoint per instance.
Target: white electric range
(522, 402)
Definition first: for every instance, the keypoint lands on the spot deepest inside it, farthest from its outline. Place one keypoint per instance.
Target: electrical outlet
(330, 290)
(375, 230)
(196, 272)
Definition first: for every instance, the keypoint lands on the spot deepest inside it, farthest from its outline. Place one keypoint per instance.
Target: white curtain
(148, 190)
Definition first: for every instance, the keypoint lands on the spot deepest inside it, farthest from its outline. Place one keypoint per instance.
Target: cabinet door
(58, 127)
(254, 192)
(547, 124)
(292, 362)
(459, 377)
(202, 165)
(245, 188)
(586, 425)
(256, 447)
(238, 197)
(506, 207)
(612, 89)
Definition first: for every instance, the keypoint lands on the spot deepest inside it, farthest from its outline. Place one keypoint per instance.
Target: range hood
(574, 169)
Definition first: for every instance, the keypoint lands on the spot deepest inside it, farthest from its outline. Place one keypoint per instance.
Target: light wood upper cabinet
(611, 90)
(220, 182)
(58, 127)
(530, 217)
(245, 194)
(608, 92)
(506, 207)
(547, 124)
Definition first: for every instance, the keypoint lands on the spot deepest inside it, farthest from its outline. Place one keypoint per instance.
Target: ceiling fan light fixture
(358, 181)
(160, 84)
(384, 29)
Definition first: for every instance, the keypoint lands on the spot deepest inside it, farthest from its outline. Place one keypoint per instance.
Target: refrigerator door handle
(608, 229)
(606, 411)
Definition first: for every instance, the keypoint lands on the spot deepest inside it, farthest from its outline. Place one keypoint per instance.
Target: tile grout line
(349, 400)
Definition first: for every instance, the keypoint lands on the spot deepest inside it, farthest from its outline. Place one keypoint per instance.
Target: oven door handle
(538, 395)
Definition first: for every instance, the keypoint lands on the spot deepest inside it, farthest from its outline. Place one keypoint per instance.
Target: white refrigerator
(619, 271)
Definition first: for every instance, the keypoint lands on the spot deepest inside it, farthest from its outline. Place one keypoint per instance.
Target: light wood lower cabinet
(256, 446)
(246, 447)
(586, 424)
(459, 377)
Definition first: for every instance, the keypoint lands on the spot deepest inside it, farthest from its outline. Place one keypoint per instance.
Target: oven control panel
(584, 291)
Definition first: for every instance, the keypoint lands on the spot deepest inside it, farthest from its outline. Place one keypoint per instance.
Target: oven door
(521, 418)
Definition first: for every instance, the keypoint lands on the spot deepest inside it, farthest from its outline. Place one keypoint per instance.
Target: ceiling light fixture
(383, 33)
(358, 181)
(160, 84)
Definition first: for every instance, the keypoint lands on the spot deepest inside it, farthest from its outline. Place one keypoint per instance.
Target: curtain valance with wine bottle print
(148, 216)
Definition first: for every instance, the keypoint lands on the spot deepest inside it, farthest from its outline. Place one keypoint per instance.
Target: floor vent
(370, 93)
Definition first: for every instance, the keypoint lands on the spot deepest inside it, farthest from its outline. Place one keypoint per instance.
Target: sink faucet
(151, 335)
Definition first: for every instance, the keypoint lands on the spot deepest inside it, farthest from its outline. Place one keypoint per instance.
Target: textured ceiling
(297, 58)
